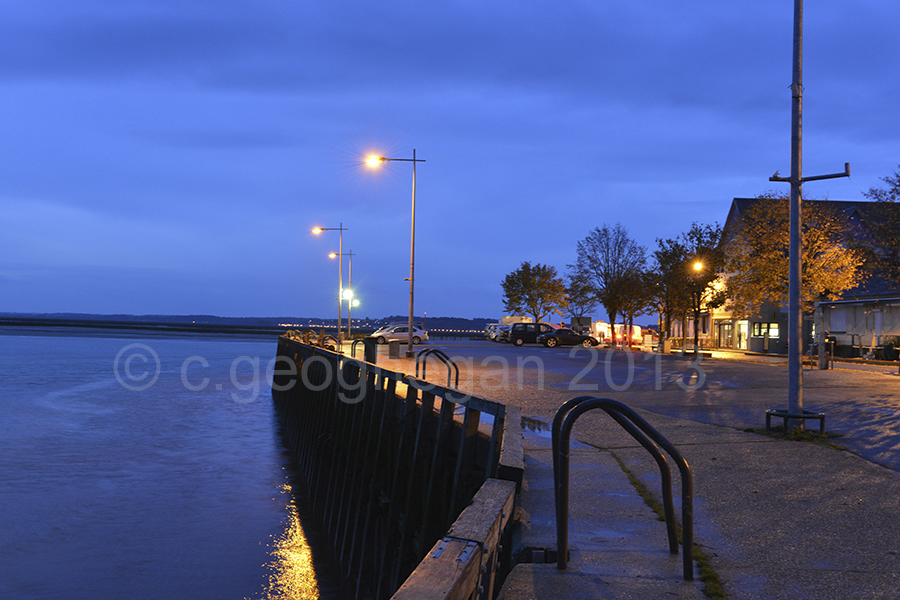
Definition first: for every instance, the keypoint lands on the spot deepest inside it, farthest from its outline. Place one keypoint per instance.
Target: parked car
(527, 333)
(566, 337)
(489, 330)
(400, 333)
(501, 334)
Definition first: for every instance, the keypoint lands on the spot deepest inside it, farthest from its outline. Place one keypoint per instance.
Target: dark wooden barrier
(390, 461)
(463, 564)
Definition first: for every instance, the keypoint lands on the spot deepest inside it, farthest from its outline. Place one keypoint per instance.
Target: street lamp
(348, 293)
(376, 161)
(341, 229)
(696, 300)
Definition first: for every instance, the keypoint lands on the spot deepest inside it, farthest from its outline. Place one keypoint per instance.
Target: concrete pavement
(777, 519)
(618, 547)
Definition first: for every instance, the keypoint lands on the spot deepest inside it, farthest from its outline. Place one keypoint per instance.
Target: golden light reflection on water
(293, 577)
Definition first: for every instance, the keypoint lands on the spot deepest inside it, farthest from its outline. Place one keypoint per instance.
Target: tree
(669, 293)
(637, 298)
(757, 251)
(883, 225)
(580, 297)
(607, 257)
(537, 290)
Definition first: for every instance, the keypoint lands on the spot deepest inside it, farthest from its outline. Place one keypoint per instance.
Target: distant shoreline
(208, 328)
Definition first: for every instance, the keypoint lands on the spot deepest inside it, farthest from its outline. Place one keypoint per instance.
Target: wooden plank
(448, 572)
(512, 460)
(484, 519)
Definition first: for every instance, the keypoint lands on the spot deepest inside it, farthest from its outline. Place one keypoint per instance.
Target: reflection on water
(175, 489)
(293, 576)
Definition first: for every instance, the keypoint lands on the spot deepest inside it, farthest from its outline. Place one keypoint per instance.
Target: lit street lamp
(341, 229)
(697, 297)
(348, 293)
(375, 161)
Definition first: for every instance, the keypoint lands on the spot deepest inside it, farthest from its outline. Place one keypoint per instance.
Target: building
(865, 320)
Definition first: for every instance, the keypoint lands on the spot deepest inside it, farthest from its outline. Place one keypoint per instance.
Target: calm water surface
(145, 467)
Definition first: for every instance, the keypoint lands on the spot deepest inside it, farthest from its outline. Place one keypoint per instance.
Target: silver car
(400, 333)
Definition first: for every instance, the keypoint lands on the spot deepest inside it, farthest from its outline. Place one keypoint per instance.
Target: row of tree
(683, 275)
(613, 271)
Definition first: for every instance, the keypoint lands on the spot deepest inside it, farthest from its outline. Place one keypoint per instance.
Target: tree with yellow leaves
(757, 251)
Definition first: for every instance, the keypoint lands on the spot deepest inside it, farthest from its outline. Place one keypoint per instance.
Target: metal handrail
(648, 437)
(353, 348)
(423, 358)
(328, 336)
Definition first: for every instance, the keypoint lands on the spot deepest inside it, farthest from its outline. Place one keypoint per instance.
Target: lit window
(761, 329)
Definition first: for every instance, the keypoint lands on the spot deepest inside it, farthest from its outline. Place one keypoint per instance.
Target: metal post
(350, 299)
(795, 314)
(340, 257)
(412, 260)
(795, 306)
(374, 160)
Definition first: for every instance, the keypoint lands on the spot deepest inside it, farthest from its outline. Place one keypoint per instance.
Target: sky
(170, 157)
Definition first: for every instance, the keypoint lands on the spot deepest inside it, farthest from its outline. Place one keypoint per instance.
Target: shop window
(760, 330)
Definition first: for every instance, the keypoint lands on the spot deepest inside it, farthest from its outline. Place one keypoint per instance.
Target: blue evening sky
(171, 157)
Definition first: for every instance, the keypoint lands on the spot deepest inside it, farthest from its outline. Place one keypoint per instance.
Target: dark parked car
(566, 337)
(527, 333)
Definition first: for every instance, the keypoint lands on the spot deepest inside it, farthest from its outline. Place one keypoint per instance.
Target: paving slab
(618, 547)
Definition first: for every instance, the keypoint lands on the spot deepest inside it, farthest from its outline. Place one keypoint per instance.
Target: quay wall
(390, 463)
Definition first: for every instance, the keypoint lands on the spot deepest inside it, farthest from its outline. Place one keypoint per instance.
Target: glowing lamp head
(374, 161)
(332, 255)
(317, 230)
(698, 266)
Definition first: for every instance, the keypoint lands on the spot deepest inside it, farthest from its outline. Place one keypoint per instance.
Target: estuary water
(145, 466)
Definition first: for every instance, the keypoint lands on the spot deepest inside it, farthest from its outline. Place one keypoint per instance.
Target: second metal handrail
(422, 357)
(648, 437)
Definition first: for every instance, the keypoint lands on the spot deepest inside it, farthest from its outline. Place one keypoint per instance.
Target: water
(145, 466)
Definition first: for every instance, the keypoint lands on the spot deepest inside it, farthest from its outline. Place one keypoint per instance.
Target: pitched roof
(851, 208)
(856, 212)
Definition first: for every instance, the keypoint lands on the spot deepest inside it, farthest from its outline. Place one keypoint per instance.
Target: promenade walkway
(776, 519)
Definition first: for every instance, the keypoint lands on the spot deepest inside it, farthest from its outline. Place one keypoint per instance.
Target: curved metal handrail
(321, 341)
(648, 437)
(422, 357)
(353, 348)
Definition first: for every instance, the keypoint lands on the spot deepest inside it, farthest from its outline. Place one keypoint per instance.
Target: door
(743, 330)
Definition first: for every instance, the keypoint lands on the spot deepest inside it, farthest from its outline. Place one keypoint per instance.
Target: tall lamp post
(375, 161)
(696, 300)
(341, 229)
(348, 293)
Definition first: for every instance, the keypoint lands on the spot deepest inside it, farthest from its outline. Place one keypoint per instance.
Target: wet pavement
(776, 518)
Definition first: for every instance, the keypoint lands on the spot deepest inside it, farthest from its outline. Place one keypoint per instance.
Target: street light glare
(332, 255)
(317, 230)
(698, 266)
(374, 161)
